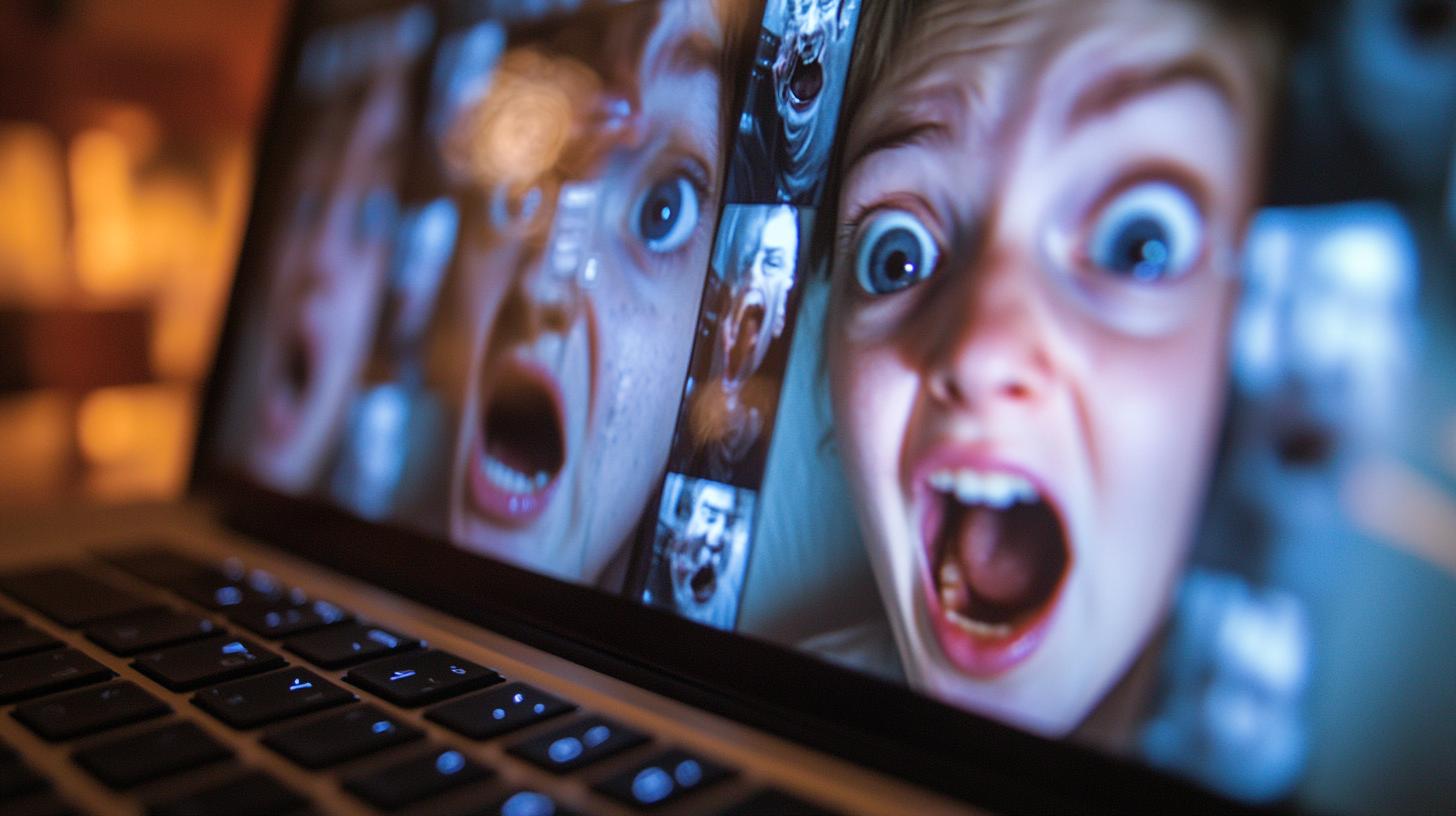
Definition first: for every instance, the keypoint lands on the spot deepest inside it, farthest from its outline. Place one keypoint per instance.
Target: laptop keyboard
(308, 713)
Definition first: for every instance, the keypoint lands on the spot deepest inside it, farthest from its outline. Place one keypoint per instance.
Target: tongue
(741, 355)
(999, 562)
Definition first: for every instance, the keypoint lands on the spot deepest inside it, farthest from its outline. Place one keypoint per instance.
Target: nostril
(1017, 390)
(946, 389)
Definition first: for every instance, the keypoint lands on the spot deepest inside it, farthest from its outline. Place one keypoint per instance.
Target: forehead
(978, 66)
(804, 7)
(713, 497)
(780, 228)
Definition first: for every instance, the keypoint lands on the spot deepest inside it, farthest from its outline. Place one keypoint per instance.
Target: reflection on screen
(1070, 362)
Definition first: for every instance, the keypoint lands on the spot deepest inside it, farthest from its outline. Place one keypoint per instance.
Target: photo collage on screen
(693, 559)
(1080, 387)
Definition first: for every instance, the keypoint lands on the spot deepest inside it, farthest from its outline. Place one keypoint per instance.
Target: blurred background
(126, 135)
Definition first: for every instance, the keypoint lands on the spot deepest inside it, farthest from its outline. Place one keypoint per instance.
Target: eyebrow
(1121, 88)
(688, 54)
(924, 116)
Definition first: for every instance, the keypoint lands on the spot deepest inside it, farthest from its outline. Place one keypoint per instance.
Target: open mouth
(520, 446)
(289, 386)
(742, 355)
(806, 79)
(998, 555)
(704, 583)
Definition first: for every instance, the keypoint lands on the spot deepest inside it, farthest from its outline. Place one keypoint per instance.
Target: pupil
(1142, 249)
(896, 260)
(660, 211)
(898, 266)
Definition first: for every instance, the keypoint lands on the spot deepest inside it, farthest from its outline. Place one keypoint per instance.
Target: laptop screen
(1083, 365)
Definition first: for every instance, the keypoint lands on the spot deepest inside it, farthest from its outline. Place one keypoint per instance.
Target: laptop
(800, 406)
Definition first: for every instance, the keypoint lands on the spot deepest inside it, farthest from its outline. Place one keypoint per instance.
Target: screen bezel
(784, 692)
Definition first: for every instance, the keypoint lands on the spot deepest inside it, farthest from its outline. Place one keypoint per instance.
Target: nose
(555, 269)
(991, 340)
(548, 301)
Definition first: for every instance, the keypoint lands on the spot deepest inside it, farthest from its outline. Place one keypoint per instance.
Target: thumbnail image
(792, 104)
(742, 344)
(700, 550)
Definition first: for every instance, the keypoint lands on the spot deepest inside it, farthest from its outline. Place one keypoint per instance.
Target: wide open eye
(895, 252)
(1151, 232)
(668, 214)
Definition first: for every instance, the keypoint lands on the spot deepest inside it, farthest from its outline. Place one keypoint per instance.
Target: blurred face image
(807, 72)
(759, 298)
(585, 240)
(332, 260)
(1040, 212)
(699, 557)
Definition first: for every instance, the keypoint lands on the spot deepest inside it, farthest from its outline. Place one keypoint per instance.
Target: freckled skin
(616, 347)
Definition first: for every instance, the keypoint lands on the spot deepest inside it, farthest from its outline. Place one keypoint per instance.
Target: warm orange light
(190, 301)
(35, 443)
(101, 192)
(32, 215)
(137, 439)
(519, 130)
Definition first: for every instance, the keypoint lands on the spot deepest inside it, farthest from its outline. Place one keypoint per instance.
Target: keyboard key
(578, 744)
(151, 629)
(667, 776)
(18, 779)
(417, 679)
(279, 620)
(129, 761)
(160, 566)
(774, 802)
(222, 593)
(17, 639)
(90, 710)
(420, 777)
(37, 674)
(341, 736)
(269, 698)
(498, 711)
(68, 596)
(346, 645)
(525, 803)
(209, 661)
(38, 804)
(249, 795)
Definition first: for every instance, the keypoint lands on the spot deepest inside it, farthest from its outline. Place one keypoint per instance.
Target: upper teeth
(998, 490)
(511, 480)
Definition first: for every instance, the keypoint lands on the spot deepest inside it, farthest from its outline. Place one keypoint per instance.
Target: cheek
(644, 339)
(1155, 415)
(873, 392)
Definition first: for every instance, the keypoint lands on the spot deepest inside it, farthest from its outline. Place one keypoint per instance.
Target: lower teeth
(962, 622)
(508, 478)
(952, 593)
